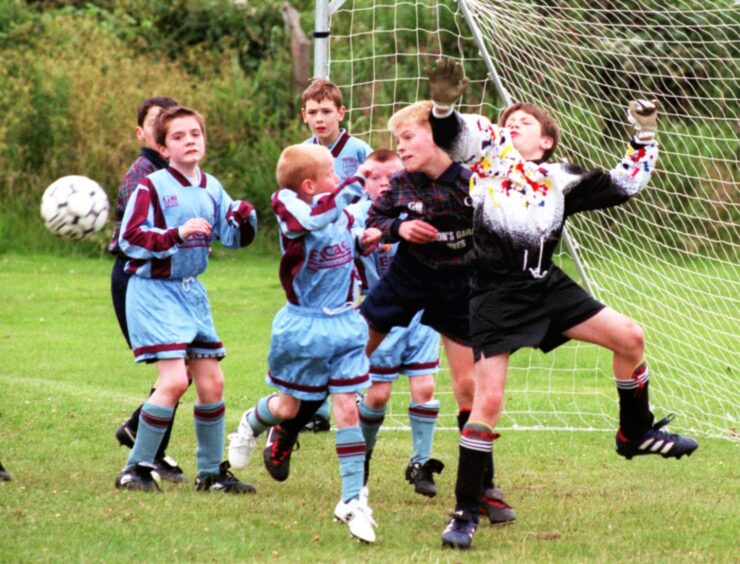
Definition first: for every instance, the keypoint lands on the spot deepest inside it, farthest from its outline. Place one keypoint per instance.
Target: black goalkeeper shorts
(509, 313)
(409, 286)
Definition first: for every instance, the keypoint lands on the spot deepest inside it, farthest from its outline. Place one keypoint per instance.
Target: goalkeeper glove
(446, 82)
(643, 115)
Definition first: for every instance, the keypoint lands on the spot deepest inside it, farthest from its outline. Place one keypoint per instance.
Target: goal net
(669, 258)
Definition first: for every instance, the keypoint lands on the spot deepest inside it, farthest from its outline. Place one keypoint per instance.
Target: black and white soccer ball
(74, 207)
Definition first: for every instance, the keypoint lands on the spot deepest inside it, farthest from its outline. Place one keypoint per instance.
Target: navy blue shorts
(409, 287)
(118, 285)
(515, 312)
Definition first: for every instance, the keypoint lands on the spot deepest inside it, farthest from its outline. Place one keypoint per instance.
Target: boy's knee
(490, 402)
(217, 384)
(285, 407)
(378, 395)
(633, 339)
(175, 386)
(345, 410)
(422, 389)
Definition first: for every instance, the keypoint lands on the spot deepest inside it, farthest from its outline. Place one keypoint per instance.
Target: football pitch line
(72, 389)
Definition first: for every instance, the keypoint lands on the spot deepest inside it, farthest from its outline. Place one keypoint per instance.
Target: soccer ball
(73, 207)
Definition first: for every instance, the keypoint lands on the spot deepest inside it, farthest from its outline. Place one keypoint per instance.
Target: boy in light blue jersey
(323, 111)
(148, 162)
(318, 339)
(167, 229)
(412, 350)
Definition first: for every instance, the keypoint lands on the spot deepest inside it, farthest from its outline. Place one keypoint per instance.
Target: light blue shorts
(170, 319)
(313, 353)
(412, 350)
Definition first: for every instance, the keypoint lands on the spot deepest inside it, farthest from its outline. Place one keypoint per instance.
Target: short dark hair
(163, 102)
(167, 115)
(382, 156)
(547, 122)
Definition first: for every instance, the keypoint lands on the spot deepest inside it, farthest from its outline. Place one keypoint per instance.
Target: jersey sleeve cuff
(441, 110)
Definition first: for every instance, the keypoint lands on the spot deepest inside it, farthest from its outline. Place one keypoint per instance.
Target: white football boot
(241, 444)
(359, 517)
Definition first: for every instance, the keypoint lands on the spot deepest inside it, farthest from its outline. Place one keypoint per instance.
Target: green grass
(68, 381)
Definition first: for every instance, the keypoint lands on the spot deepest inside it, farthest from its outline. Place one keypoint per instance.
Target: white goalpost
(668, 259)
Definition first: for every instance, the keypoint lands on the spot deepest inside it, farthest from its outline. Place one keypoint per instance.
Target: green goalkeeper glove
(446, 82)
(643, 115)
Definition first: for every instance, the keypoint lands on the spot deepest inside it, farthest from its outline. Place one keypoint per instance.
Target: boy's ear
(341, 111)
(546, 143)
(307, 186)
(140, 134)
(162, 150)
(303, 115)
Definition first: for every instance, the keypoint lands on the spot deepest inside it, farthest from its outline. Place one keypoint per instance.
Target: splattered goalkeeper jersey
(520, 206)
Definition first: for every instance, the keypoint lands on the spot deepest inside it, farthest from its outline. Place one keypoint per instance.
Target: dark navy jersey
(444, 203)
(146, 163)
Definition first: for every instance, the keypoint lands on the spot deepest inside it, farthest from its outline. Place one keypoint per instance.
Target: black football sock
(488, 473)
(462, 417)
(635, 417)
(476, 442)
(133, 420)
(305, 414)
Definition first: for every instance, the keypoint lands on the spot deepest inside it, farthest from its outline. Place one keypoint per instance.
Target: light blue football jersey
(348, 151)
(162, 203)
(318, 246)
(370, 268)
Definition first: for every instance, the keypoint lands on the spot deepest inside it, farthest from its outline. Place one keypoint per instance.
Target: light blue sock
(153, 423)
(324, 410)
(423, 419)
(351, 453)
(260, 418)
(370, 422)
(209, 432)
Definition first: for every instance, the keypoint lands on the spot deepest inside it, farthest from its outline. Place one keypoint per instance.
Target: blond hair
(298, 163)
(416, 114)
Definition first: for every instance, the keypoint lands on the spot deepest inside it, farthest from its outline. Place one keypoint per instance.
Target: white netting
(669, 259)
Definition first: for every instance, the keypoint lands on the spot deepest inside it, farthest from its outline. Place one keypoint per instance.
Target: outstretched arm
(465, 137)
(296, 217)
(600, 189)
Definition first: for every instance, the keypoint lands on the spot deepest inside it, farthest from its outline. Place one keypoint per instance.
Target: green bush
(72, 75)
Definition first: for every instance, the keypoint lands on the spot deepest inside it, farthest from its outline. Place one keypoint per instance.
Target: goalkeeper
(519, 298)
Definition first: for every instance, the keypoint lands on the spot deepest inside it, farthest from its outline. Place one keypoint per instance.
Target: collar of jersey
(177, 175)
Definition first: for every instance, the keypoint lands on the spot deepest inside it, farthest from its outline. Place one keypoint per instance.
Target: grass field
(68, 381)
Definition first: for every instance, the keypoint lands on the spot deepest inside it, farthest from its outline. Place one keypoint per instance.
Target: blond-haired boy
(427, 209)
(318, 339)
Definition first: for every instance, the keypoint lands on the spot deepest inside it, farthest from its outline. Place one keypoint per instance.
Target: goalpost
(668, 259)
